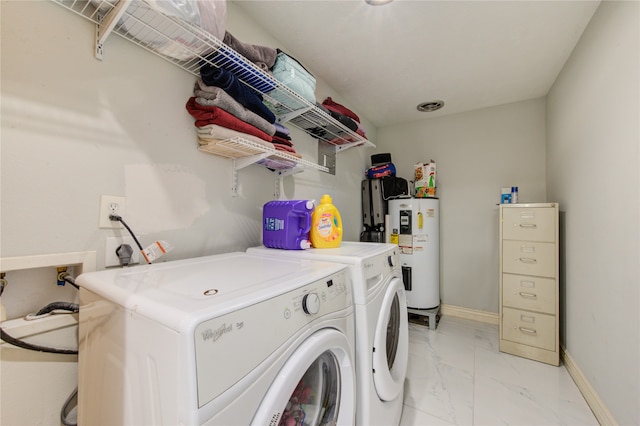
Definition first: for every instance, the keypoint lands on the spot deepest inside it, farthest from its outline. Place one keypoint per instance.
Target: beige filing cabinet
(529, 287)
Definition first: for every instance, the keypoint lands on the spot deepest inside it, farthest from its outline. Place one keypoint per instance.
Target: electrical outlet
(110, 204)
(111, 258)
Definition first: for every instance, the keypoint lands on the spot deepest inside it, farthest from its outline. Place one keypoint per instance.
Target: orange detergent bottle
(326, 225)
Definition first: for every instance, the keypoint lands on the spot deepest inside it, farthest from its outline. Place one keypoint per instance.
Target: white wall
(74, 128)
(477, 153)
(593, 163)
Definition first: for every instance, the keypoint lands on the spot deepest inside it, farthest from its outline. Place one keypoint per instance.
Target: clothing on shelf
(262, 56)
(344, 120)
(245, 96)
(287, 149)
(213, 115)
(282, 130)
(282, 140)
(288, 71)
(330, 104)
(214, 131)
(215, 96)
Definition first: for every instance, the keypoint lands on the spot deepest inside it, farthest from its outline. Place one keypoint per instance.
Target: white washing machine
(382, 336)
(232, 339)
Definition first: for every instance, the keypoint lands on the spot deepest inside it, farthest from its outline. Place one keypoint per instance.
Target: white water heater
(415, 227)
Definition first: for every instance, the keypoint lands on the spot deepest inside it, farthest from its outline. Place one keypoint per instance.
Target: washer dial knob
(311, 303)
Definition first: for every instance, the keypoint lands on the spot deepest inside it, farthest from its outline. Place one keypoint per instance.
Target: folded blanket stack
(282, 141)
(345, 116)
(206, 114)
(216, 96)
(220, 87)
(244, 95)
(224, 108)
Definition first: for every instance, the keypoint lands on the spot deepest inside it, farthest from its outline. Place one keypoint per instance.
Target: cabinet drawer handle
(528, 260)
(528, 295)
(528, 331)
(528, 225)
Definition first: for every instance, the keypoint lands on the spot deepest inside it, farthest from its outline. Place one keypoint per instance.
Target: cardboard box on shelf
(425, 179)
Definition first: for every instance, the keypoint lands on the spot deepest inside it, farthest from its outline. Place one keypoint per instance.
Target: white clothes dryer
(231, 339)
(382, 334)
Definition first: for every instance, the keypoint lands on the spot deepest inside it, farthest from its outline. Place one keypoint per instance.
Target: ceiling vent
(430, 106)
(377, 2)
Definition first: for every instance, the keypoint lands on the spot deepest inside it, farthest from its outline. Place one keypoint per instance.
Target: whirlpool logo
(214, 335)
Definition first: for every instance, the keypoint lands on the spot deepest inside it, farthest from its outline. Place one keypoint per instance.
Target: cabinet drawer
(529, 224)
(531, 293)
(529, 328)
(529, 258)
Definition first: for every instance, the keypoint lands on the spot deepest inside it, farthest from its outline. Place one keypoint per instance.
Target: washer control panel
(381, 264)
(221, 342)
(311, 303)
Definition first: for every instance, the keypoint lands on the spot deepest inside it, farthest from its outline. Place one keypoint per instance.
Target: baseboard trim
(472, 314)
(597, 406)
(600, 410)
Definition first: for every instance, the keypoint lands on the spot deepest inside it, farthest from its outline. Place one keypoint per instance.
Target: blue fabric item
(227, 81)
(231, 61)
(280, 128)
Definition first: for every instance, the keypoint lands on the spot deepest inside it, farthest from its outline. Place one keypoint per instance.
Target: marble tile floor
(457, 376)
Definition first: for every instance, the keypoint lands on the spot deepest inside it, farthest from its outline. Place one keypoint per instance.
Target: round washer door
(314, 387)
(391, 343)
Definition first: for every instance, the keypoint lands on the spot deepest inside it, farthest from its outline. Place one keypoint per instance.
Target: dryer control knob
(311, 303)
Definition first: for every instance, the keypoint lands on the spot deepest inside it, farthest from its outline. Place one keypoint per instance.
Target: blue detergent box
(505, 197)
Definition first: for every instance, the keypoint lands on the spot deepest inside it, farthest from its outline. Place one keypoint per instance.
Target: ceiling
(385, 60)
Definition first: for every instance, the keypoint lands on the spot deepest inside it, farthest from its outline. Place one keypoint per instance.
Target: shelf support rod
(345, 146)
(241, 163)
(278, 184)
(107, 24)
(293, 114)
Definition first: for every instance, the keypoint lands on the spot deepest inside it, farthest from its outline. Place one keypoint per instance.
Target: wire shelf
(255, 153)
(189, 47)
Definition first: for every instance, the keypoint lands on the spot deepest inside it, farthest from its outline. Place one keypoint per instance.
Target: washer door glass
(393, 332)
(391, 343)
(317, 395)
(316, 386)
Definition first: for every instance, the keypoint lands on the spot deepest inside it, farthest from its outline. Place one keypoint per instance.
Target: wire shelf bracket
(107, 24)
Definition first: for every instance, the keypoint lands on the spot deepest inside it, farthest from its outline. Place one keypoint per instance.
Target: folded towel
(215, 96)
(287, 149)
(278, 140)
(213, 115)
(282, 136)
(345, 140)
(336, 107)
(280, 128)
(215, 132)
(245, 96)
(262, 56)
(344, 120)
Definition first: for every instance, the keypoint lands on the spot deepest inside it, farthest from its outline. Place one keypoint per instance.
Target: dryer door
(315, 386)
(391, 342)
